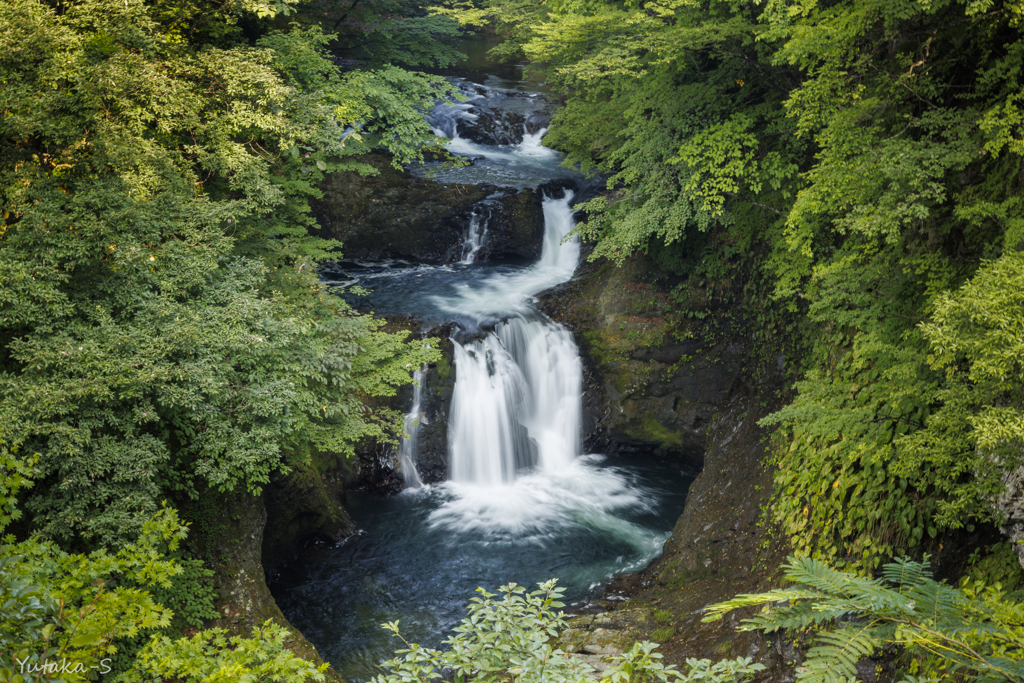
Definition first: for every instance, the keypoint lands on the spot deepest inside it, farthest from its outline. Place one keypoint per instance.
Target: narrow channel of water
(522, 502)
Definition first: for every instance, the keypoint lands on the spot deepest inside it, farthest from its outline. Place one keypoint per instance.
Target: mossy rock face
(243, 599)
(438, 387)
(393, 214)
(717, 550)
(304, 504)
(650, 385)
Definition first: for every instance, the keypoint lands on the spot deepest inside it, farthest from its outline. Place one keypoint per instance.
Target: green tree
(162, 327)
(66, 615)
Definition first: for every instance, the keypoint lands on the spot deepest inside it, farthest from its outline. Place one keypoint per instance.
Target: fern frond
(800, 615)
(936, 601)
(905, 574)
(817, 574)
(957, 628)
(871, 595)
(1001, 669)
(834, 657)
(716, 611)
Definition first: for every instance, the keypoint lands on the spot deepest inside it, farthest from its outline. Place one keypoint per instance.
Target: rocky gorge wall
(697, 399)
(296, 507)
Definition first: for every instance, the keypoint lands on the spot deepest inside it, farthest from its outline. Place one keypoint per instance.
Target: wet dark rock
(395, 215)
(432, 451)
(493, 127)
(304, 506)
(379, 467)
(515, 227)
(555, 189)
(537, 121)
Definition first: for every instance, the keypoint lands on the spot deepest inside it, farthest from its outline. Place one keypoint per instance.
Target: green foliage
(975, 336)
(660, 635)
(973, 631)
(663, 616)
(385, 32)
(190, 595)
(511, 639)
(162, 327)
(77, 607)
(997, 563)
(86, 609)
(212, 657)
(14, 473)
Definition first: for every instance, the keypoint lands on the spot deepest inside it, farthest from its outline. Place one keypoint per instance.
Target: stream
(522, 502)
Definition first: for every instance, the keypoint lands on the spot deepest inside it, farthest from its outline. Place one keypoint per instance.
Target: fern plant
(977, 632)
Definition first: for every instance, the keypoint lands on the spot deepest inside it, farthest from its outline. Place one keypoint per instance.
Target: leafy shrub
(190, 595)
(211, 656)
(510, 639)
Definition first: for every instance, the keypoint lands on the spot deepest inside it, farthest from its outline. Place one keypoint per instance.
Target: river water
(522, 502)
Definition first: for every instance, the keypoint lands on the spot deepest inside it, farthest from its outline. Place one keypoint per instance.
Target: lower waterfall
(515, 464)
(516, 404)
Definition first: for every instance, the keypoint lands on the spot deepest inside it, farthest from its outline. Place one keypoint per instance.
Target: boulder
(395, 215)
(1010, 504)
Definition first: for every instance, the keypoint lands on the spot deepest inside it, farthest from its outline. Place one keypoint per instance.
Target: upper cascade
(506, 294)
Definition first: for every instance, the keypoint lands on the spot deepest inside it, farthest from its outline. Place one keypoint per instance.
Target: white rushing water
(413, 419)
(476, 233)
(515, 421)
(516, 403)
(505, 295)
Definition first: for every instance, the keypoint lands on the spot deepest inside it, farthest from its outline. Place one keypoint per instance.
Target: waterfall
(516, 403)
(486, 439)
(516, 406)
(522, 501)
(553, 371)
(557, 258)
(475, 234)
(413, 420)
(532, 147)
